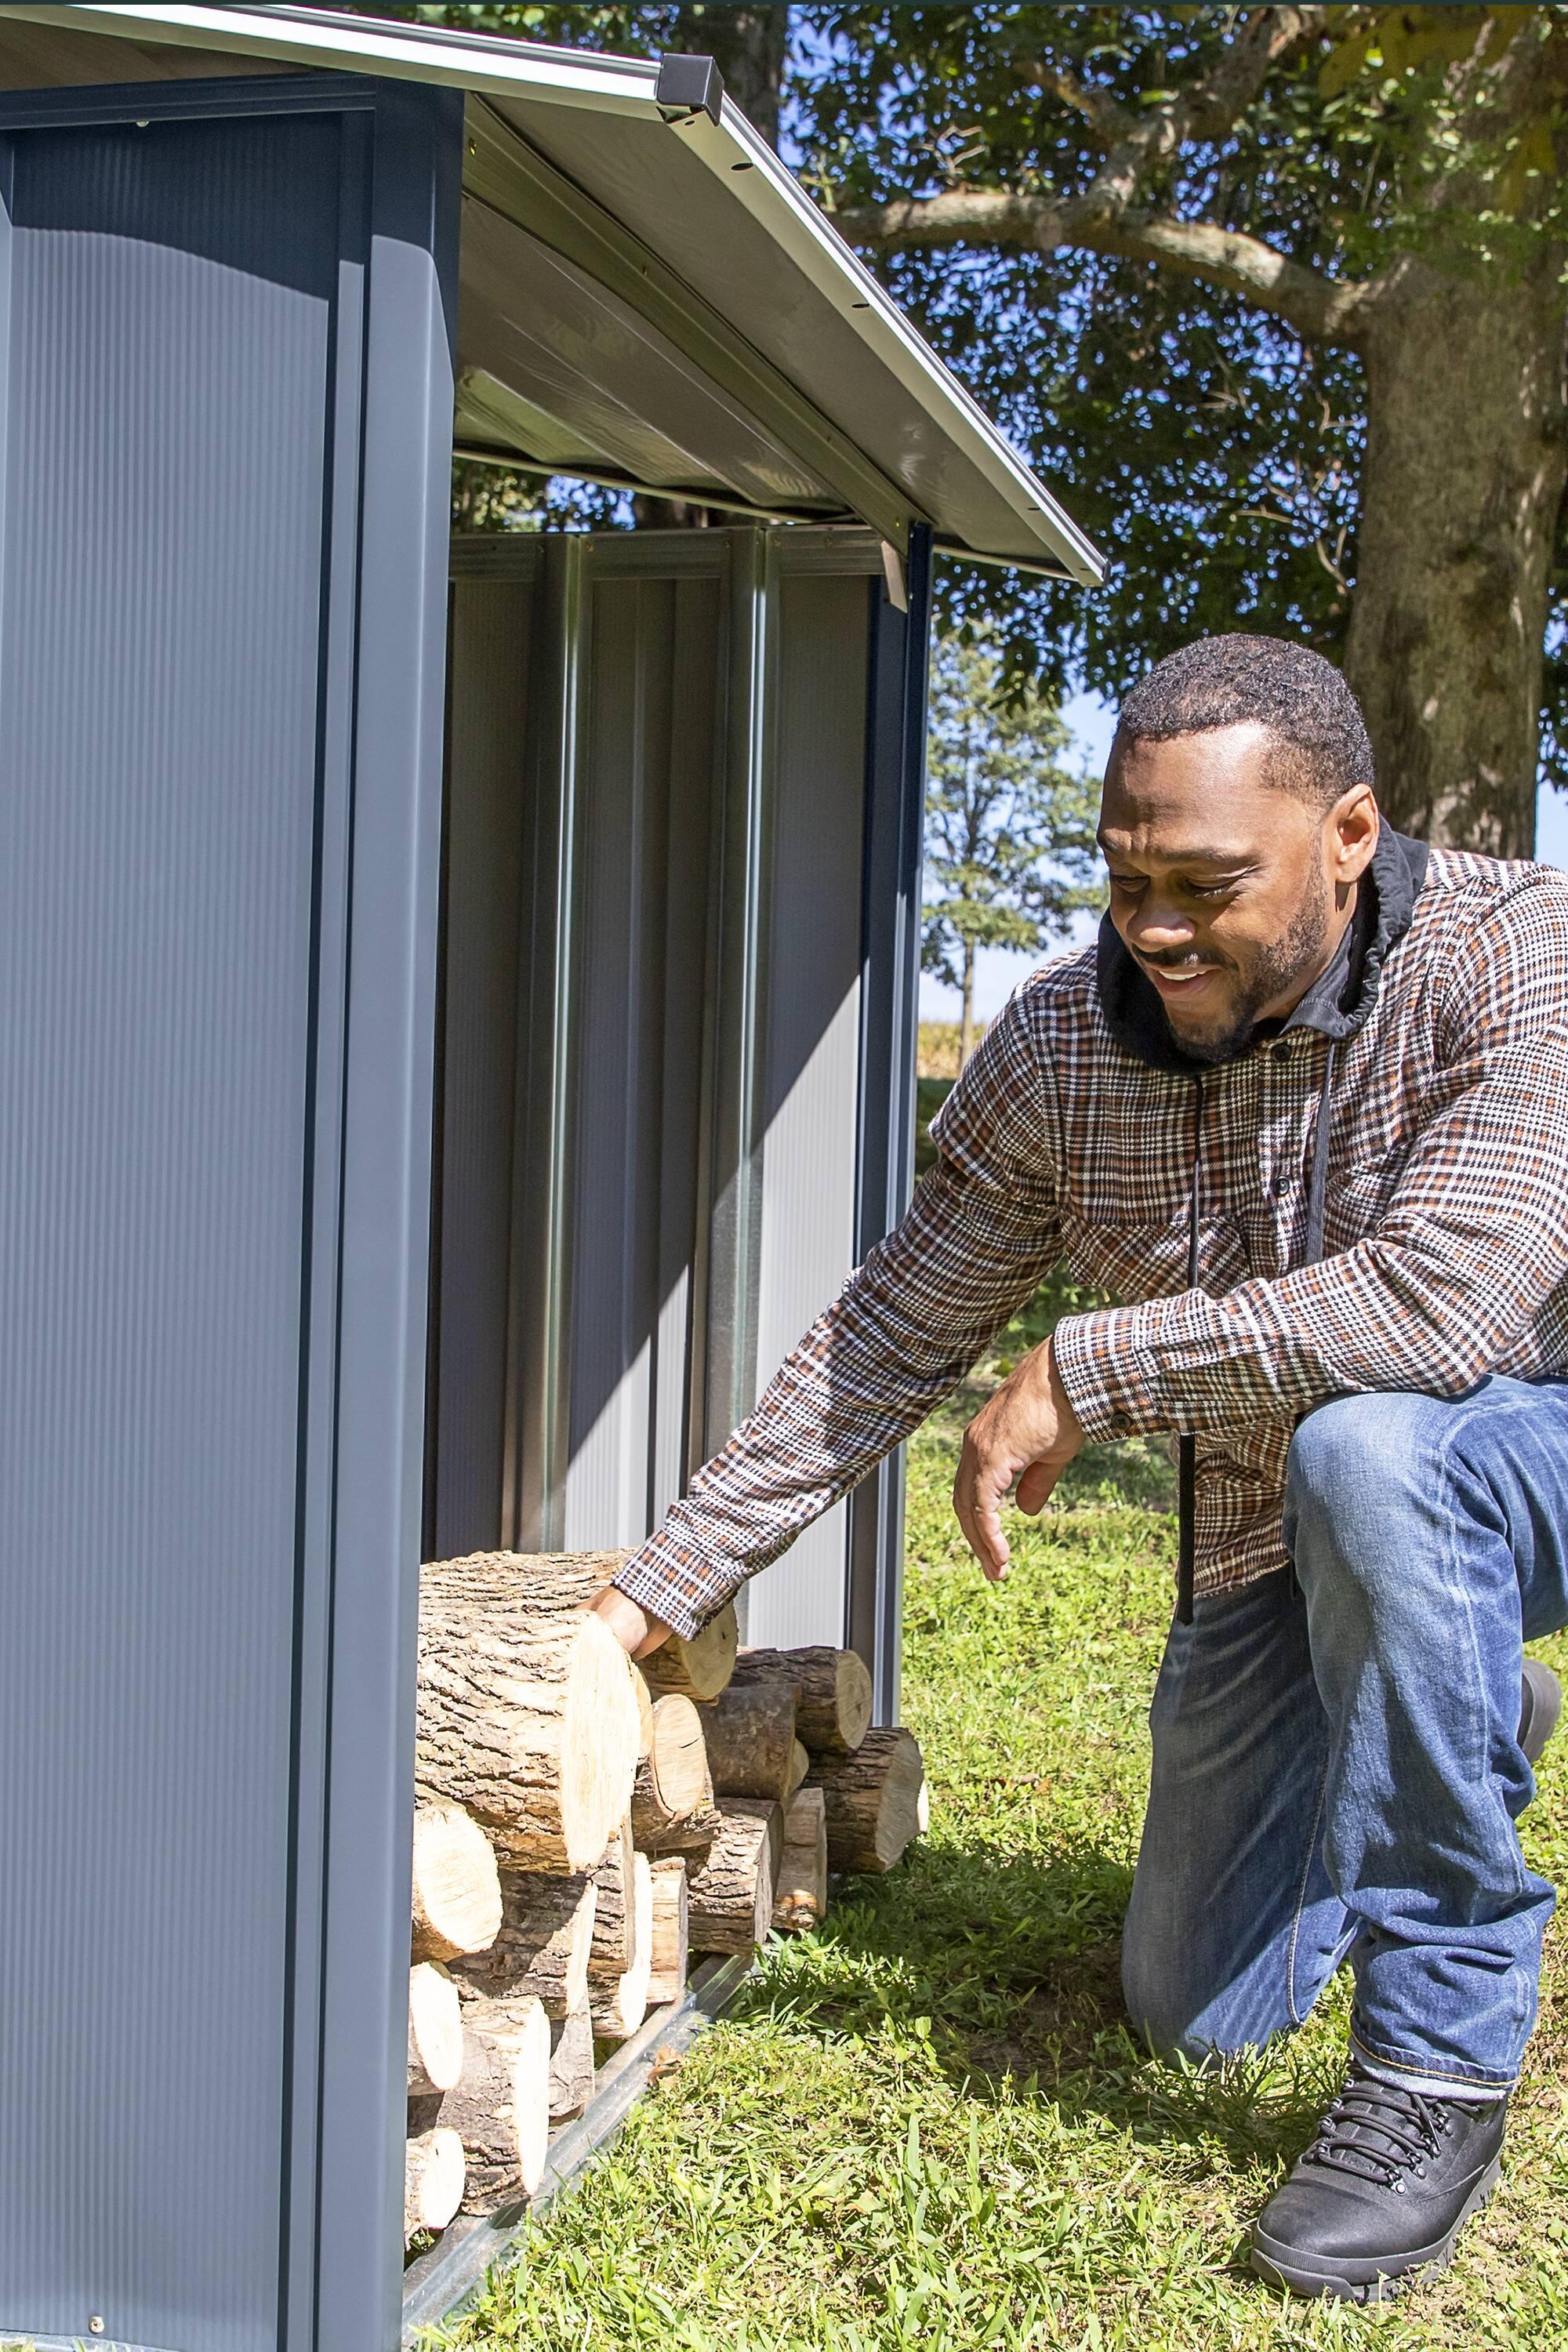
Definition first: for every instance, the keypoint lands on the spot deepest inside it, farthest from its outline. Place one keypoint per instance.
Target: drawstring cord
(1316, 1211)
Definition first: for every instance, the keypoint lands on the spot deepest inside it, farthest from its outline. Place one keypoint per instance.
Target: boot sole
(1370, 2278)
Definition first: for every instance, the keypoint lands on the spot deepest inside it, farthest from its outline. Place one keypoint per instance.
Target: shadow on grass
(1009, 1970)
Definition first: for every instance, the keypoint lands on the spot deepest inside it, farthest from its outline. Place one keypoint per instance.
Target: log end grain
(699, 1668)
(456, 1889)
(433, 2179)
(435, 2031)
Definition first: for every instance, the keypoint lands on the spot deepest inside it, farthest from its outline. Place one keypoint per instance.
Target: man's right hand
(637, 1633)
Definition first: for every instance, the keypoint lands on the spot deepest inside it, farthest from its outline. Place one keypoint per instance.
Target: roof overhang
(649, 298)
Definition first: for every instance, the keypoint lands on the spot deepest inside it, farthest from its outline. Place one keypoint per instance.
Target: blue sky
(999, 972)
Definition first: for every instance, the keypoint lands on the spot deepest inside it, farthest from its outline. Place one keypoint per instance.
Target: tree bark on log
(669, 1949)
(730, 1898)
(456, 1891)
(618, 2005)
(502, 2105)
(433, 2172)
(672, 1782)
(699, 1668)
(546, 1933)
(833, 1711)
(872, 1800)
(527, 1711)
(800, 1897)
(435, 2029)
(750, 1738)
(615, 1946)
(570, 2064)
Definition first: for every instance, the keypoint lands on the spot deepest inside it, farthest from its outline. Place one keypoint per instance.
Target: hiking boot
(1380, 2194)
(1540, 1705)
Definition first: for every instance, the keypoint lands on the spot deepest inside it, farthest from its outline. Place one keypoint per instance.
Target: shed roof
(647, 295)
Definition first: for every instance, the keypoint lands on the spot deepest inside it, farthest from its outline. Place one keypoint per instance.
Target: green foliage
(928, 2126)
(1009, 843)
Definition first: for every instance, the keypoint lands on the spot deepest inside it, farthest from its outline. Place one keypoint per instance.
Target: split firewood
(619, 2004)
(615, 1946)
(666, 1980)
(644, 1698)
(834, 1709)
(546, 1934)
(750, 1736)
(457, 1893)
(800, 1897)
(874, 1801)
(500, 2107)
(800, 1765)
(571, 2064)
(433, 2177)
(527, 1710)
(699, 1668)
(672, 1781)
(435, 2029)
(729, 1897)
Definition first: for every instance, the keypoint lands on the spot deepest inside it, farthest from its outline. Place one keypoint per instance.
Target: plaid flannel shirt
(1445, 1247)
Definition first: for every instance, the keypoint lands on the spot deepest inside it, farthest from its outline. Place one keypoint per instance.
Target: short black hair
(1323, 746)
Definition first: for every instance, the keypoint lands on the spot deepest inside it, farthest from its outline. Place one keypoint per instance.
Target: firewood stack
(586, 1831)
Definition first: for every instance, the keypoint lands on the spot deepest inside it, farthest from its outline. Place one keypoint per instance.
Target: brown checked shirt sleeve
(978, 1239)
(1475, 1241)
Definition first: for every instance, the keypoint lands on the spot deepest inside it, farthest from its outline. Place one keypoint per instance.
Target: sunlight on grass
(928, 2123)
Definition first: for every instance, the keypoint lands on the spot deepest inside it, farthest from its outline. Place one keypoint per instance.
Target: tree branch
(1107, 218)
(1323, 309)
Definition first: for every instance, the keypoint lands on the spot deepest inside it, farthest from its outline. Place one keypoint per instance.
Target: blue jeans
(1336, 1769)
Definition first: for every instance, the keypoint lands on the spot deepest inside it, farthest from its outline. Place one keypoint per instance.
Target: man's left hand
(637, 1633)
(1027, 1431)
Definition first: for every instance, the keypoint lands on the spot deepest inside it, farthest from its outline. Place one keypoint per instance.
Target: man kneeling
(1304, 1107)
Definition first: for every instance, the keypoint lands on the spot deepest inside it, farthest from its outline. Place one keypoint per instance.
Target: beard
(1287, 962)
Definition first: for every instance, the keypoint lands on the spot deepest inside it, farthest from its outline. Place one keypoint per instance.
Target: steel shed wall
(217, 305)
(692, 777)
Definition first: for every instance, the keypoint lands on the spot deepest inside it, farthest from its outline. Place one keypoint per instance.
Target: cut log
(644, 1698)
(502, 2105)
(770, 1815)
(699, 1668)
(456, 1894)
(672, 1782)
(613, 1948)
(546, 1933)
(667, 1979)
(800, 1765)
(834, 1712)
(570, 2064)
(433, 2177)
(750, 1736)
(730, 1898)
(800, 1897)
(691, 1837)
(527, 1711)
(619, 2005)
(873, 1801)
(435, 2031)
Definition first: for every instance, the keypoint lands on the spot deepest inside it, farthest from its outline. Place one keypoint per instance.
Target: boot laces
(1379, 2132)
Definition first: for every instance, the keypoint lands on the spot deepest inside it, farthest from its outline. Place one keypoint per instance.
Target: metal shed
(458, 1015)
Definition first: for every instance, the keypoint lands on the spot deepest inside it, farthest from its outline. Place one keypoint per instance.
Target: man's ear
(1353, 830)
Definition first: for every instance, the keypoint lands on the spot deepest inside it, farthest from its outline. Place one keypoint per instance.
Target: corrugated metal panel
(491, 635)
(159, 706)
(811, 1106)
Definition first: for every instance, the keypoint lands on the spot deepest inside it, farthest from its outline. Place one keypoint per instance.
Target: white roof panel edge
(489, 63)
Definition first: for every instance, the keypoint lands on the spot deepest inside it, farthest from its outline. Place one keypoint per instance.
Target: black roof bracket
(688, 86)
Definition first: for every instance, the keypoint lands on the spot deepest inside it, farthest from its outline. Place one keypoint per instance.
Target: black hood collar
(1336, 1005)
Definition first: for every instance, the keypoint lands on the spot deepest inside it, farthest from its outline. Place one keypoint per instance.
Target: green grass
(928, 2125)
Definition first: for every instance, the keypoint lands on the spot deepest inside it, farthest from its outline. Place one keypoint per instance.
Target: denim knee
(1363, 1448)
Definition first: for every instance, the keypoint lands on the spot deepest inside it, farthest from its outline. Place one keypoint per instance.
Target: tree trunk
(966, 1022)
(748, 45)
(1461, 491)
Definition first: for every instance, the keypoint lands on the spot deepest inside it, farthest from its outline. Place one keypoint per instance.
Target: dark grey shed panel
(185, 312)
(695, 760)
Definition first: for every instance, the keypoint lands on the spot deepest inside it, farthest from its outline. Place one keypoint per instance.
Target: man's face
(1230, 892)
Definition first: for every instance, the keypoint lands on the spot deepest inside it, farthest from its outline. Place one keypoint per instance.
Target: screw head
(95, 2324)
